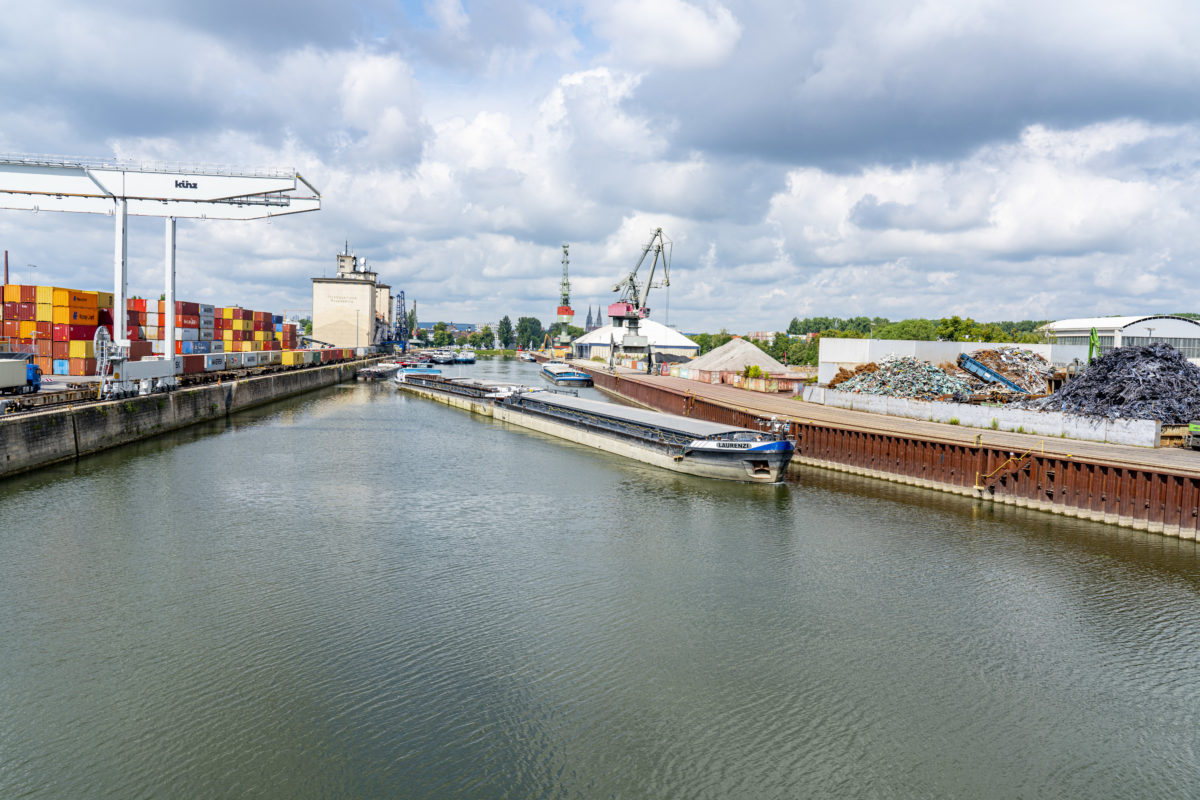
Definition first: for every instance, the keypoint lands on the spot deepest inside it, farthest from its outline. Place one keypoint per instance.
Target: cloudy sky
(1003, 159)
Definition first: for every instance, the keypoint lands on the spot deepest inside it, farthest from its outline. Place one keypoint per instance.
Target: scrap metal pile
(1148, 382)
(897, 376)
(1023, 367)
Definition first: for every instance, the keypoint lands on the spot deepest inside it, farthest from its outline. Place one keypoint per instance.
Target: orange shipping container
(62, 315)
(83, 316)
(83, 366)
(45, 329)
(28, 328)
(12, 292)
(82, 299)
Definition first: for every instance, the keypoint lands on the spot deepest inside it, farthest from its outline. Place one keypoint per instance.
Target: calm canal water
(364, 594)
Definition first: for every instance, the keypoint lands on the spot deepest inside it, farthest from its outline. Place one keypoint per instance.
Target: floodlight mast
(172, 191)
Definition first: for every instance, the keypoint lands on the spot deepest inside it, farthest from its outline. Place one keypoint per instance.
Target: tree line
(800, 344)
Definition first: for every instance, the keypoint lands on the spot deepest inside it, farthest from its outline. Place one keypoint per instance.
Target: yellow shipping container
(259, 336)
(227, 335)
(62, 315)
(12, 293)
(290, 358)
(45, 294)
(27, 329)
(44, 312)
(227, 313)
(83, 349)
(104, 299)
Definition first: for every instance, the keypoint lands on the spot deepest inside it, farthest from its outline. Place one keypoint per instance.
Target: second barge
(561, 373)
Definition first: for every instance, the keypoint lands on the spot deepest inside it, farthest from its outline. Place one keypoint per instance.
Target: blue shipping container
(62, 366)
(277, 319)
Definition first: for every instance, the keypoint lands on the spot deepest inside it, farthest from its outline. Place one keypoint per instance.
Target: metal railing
(188, 168)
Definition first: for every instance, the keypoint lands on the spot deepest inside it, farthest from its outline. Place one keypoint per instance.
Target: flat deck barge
(680, 444)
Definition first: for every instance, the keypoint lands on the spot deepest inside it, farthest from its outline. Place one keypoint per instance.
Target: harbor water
(360, 593)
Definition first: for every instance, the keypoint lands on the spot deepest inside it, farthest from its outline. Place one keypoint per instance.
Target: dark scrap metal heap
(904, 377)
(1146, 382)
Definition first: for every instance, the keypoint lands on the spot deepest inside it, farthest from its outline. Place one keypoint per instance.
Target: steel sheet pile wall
(1142, 499)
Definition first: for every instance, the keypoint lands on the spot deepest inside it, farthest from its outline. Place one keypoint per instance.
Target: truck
(18, 375)
(1192, 438)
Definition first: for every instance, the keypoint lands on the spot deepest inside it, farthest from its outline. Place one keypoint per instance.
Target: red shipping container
(104, 316)
(187, 321)
(60, 334)
(82, 366)
(61, 349)
(10, 311)
(188, 309)
(133, 332)
(193, 364)
(45, 330)
(29, 295)
(12, 328)
(82, 333)
(136, 304)
(140, 350)
(25, 311)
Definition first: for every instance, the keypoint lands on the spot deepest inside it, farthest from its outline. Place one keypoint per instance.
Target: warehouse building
(1180, 332)
(663, 341)
(352, 309)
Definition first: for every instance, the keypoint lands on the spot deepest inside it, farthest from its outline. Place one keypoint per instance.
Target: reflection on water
(361, 593)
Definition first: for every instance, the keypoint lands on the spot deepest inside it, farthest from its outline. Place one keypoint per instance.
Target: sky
(999, 159)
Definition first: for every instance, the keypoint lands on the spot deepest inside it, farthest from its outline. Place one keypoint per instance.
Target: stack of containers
(59, 325)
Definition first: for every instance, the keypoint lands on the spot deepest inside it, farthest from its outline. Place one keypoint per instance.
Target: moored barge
(561, 373)
(681, 444)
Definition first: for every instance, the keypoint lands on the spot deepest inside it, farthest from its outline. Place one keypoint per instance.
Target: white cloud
(670, 33)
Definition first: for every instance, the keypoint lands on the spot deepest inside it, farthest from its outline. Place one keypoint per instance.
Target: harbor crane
(632, 306)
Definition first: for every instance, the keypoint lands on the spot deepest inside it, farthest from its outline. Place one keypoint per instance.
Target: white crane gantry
(172, 191)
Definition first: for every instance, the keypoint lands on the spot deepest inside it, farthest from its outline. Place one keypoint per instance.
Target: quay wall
(1112, 492)
(37, 439)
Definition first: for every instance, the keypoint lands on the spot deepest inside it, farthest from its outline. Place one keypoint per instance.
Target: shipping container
(206, 310)
(83, 316)
(104, 299)
(214, 362)
(12, 292)
(61, 366)
(82, 366)
(250, 359)
(233, 360)
(82, 349)
(27, 312)
(83, 300)
(193, 364)
(60, 350)
(43, 312)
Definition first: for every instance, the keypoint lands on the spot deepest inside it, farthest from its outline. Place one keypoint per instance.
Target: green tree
(923, 330)
(306, 324)
(955, 328)
(529, 329)
(442, 337)
(704, 340)
(412, 320)
(505, 332)
(572, 332)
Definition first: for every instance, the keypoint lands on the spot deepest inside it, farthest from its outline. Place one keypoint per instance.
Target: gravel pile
(1147, 382)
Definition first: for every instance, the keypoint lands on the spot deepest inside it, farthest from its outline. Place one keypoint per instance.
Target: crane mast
(631, 307)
